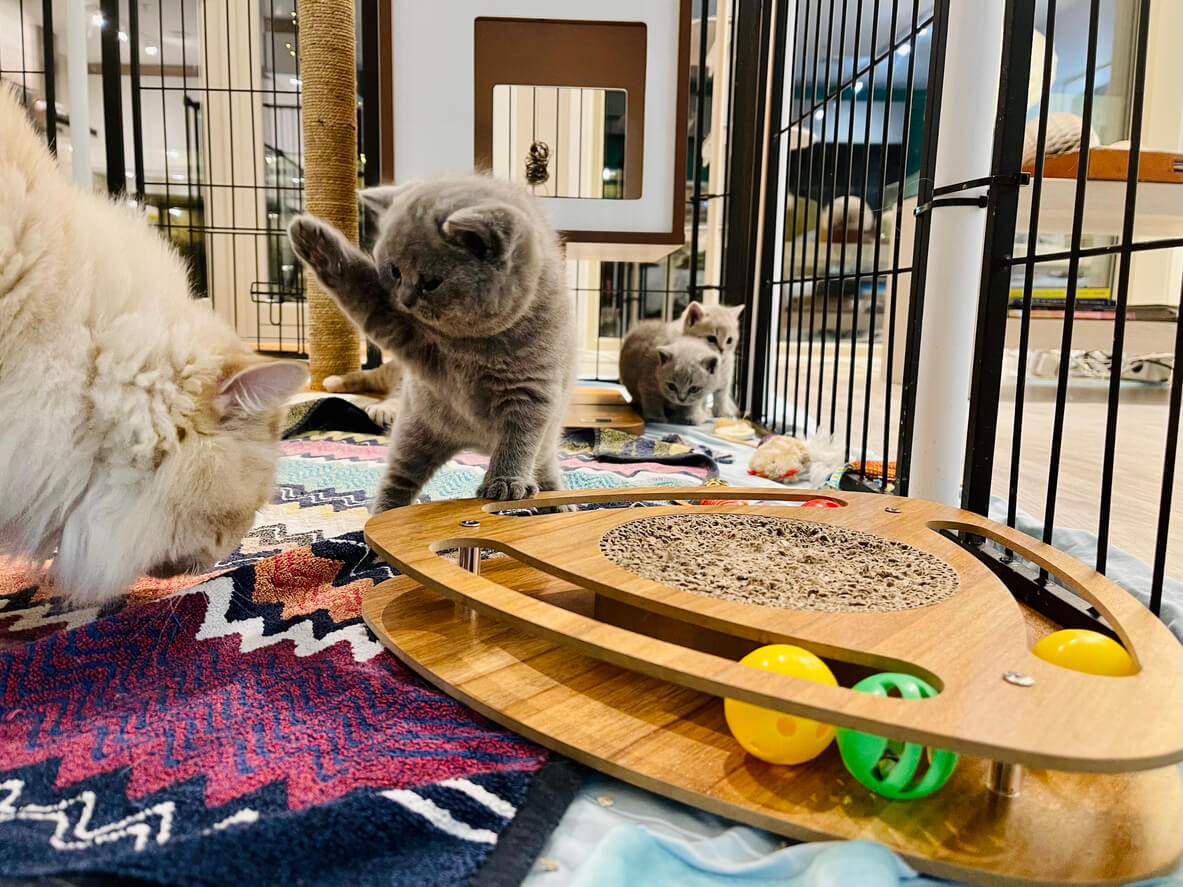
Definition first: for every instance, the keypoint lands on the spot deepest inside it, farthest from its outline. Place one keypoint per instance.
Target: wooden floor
(1140, 450)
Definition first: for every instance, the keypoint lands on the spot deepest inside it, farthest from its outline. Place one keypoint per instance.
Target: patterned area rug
(246, 726)
(250, 729)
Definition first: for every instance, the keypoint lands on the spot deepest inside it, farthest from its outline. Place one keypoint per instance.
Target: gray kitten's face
(452, 260)
(685, 371)
(717, 325)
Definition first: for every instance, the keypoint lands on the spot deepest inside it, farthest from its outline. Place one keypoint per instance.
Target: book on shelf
(1153, 313)
(1094, 298)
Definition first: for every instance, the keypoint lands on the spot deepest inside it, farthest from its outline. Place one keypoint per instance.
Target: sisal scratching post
(327, 64)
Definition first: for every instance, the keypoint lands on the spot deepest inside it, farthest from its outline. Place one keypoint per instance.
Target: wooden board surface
(1063, 828)
(963, 645)
(602, 408)
(1113, 165)
(590, 394)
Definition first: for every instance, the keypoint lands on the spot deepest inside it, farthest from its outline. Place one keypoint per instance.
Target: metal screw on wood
(470, 523)
(1018, 679)
(891, 509)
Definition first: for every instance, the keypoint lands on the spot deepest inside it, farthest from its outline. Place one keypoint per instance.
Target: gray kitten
(467, 289)
(667, 380)
(718, 325)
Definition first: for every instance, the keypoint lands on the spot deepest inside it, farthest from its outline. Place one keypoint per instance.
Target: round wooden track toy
(1065, 777)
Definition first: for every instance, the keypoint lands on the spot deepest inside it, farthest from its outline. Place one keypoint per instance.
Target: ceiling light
(150, 50)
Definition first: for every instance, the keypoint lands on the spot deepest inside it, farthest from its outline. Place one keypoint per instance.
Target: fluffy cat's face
(685, 371)
(455, 261)
(191, 507)
(717, 325)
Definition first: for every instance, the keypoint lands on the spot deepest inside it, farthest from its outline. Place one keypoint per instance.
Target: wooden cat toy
(612, 636)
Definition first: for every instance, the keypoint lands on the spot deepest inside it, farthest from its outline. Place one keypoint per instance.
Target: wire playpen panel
(810, 144)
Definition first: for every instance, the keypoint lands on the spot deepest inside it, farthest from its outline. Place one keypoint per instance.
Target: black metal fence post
(752, 26)
(762, 310)
(48, 63)
(1001, 214)
(924, 195)
(369, 83)
(112, 96)
(137, 111)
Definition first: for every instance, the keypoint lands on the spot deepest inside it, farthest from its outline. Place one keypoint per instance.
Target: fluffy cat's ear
(486, 230)
(378, 199)
(664, 353)
(692, 315)
(260, 388)
(736, 311)
(710, 364)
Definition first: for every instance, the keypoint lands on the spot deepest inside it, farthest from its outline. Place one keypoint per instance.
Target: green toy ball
(888, 767)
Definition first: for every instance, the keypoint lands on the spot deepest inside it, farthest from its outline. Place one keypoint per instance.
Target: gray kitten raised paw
(319, 246)
(507, 488)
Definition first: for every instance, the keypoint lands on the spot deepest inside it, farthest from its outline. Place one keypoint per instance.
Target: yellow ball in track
(1089, 651)
(774, 736)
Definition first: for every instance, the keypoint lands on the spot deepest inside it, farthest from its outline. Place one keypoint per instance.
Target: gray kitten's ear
(692, 315)
(379, 198)
(665, 353)
(710, 364)
(486, 230)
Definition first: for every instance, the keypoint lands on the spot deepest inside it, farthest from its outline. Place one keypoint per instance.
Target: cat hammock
(327, 62)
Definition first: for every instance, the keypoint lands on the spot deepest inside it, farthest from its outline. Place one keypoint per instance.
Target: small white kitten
(139, 435)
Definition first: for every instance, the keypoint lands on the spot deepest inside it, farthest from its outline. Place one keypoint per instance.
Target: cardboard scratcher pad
(567, 647)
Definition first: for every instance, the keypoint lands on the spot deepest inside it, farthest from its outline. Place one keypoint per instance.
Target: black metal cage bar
(849, 100)
(1012, 294)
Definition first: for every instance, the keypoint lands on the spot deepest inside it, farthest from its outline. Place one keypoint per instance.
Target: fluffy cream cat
(139, 435)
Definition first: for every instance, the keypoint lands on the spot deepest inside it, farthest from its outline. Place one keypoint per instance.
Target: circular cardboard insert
(779, 562)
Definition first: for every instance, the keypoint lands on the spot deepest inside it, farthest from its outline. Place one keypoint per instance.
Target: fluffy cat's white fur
(137, 432)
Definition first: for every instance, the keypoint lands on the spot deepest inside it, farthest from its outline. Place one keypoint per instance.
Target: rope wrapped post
(328, 72)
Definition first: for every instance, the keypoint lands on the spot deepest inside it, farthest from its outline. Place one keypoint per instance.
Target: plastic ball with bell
(890, 767)
(774, 736)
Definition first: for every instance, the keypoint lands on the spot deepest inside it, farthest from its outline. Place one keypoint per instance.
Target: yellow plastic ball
(774, 736)
(1089, 651)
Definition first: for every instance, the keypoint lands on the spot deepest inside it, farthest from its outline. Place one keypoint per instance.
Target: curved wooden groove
(990, 638)
(1118, 606)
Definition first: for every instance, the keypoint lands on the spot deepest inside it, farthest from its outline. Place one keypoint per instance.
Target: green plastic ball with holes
(890, 767)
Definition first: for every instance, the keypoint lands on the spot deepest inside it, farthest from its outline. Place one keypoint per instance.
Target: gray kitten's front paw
(725, 407)
(507, 488)
(383, 413)
(319, 246)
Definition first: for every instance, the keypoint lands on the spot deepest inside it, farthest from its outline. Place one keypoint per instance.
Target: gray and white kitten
(718, 326)
(466, 288)
(667, 380)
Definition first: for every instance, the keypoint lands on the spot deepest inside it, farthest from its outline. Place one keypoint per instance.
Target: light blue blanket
(619, 835)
